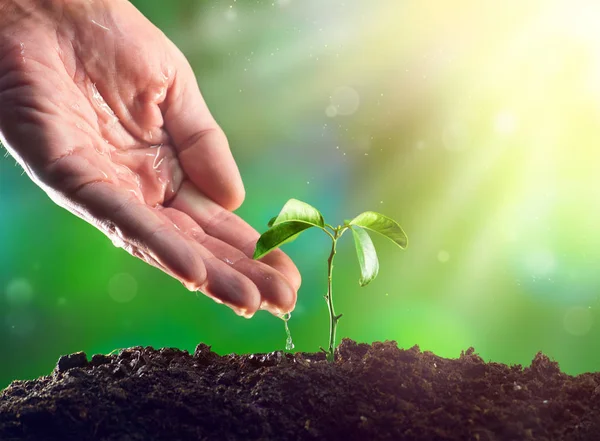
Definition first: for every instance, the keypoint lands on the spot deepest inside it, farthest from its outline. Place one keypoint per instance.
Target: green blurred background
(474, 123)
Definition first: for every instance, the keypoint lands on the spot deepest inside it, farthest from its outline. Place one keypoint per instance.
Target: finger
(230, 228)
(147, 233)
(277, 294)
(138, 228)
(228, 286)
(202, 147)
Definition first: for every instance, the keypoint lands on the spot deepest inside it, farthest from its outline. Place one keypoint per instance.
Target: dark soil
(372, 392)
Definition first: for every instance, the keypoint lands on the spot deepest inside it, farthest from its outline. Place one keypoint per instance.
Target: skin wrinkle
(82, 87)
(87, 184)
(74, 195)
(193, 139)
(16, 83)
(36, 109)
(6, 53)
(219, 216)
(122, 110)
(87, 73)
(55, 162)
(91, 130)
(156, 232)
(213, 258)
(235, 261)
(184, 223)
(196, 283)
(53, 175)
(31, 103)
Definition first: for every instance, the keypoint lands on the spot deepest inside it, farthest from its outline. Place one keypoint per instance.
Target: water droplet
(157, 162)
(100, 25)
(289, 344)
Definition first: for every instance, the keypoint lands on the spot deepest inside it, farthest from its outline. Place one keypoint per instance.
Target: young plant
(297, 216)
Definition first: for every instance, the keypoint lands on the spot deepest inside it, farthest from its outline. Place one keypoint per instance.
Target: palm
(107, 118)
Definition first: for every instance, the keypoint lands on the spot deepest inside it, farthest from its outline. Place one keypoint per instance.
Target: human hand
(104, 113)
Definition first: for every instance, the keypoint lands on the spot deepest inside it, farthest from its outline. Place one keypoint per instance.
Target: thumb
(200, 143)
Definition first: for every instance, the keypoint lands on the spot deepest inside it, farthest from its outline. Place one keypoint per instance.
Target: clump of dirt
(372, 392)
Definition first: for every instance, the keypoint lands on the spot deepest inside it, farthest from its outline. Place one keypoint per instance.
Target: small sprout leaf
(367, 256)
(383, 225)
(298, 211)
(297, 216)
(278, 235)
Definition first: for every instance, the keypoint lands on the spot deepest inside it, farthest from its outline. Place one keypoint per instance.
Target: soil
(372, 392)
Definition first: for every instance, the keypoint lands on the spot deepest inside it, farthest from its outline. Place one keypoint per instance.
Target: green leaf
(278, 235)
(367, 256)
(383, 225)
(298, 211)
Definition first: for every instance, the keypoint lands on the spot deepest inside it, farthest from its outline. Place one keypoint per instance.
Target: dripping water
(289, 344)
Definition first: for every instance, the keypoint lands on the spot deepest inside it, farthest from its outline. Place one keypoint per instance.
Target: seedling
(297, 216)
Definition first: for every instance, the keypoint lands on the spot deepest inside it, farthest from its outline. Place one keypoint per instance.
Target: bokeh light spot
(578, 321)
(505, 123)
(331, 111)
(122, 288)
(443, 256)
(540, 262)
(19, 292)
(345, 100)
(230, 14)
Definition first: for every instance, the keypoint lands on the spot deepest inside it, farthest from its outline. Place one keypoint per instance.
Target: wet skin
(104, 114)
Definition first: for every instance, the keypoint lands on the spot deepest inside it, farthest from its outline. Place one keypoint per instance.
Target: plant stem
(333, 318)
